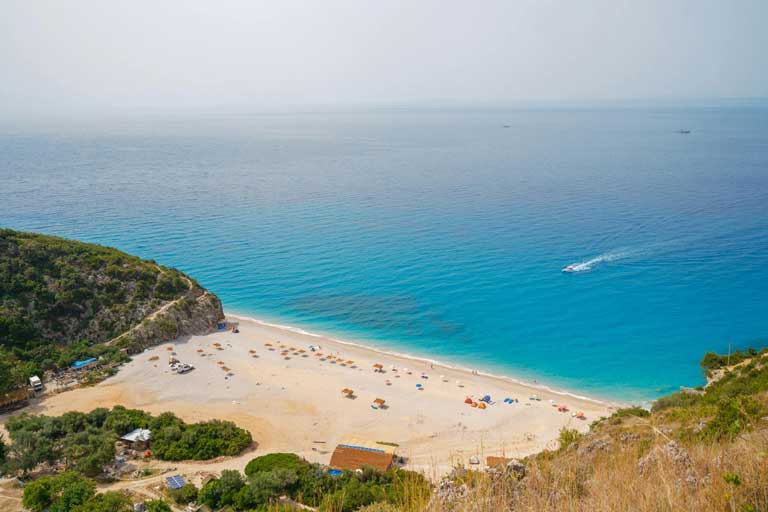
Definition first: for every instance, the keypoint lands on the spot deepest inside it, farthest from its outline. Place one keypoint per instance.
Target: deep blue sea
(440, 233)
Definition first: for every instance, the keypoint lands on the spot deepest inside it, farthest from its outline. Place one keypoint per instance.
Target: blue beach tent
(85, 362)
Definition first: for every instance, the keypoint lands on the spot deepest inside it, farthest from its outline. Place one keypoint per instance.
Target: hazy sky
(87, 55)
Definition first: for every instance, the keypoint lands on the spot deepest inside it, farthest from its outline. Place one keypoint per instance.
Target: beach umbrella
(419, 386)
(379, 401)
(467, 400)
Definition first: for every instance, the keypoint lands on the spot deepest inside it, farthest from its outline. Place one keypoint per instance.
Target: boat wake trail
(603, 258)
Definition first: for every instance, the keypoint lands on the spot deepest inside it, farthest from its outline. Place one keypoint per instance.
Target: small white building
(138, 439)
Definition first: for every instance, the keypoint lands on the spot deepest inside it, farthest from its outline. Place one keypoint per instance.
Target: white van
(35, 383)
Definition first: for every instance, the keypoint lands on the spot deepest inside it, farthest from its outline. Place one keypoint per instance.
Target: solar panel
(175, 482)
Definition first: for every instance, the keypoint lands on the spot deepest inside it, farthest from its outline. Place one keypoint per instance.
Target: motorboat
(569, 269)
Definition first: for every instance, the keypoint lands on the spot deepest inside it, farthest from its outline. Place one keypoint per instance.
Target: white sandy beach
(296, 404)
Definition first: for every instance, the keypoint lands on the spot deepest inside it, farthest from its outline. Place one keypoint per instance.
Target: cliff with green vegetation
(62, 300)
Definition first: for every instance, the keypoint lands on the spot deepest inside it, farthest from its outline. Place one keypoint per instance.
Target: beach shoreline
(285, 386)
(534, 386)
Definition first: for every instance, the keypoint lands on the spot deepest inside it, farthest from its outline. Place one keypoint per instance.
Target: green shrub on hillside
(185, 495)
(568, 436)
(269, 462)
(632, 411)
(172, 439)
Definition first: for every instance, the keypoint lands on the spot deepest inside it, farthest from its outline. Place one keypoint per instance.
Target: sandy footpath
(296, 404)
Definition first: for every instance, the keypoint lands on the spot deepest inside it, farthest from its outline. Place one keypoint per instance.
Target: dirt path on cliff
(162, 309)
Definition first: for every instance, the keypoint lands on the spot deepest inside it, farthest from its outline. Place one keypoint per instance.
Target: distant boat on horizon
(685, 132)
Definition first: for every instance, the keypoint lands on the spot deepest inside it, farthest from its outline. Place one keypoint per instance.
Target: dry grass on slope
(631, 467)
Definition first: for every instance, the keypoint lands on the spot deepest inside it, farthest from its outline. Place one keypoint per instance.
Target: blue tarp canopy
(335, 472)
(84, 362)
(175, 482)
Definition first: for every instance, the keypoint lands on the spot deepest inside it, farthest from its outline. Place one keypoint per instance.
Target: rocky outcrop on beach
(197, 312)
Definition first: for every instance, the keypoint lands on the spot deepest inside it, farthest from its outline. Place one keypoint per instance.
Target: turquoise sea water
(441, 233)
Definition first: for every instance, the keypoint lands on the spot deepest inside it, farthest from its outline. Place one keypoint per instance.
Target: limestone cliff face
(197, 312)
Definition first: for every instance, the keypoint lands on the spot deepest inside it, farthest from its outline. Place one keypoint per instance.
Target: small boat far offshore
(569, 269)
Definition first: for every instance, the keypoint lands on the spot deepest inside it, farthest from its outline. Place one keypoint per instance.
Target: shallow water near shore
(442, 233)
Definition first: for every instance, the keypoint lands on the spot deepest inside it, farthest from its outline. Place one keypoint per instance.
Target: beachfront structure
(354, 453)
(138, 439)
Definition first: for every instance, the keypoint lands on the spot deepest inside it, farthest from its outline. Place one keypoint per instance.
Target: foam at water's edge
(541, 387)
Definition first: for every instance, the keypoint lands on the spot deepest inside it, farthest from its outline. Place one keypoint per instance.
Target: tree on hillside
(220, 493)
(157, 506)
(108, 502)
(185, 495)
(3, 450)
(30, 449)
(60, 493)
(9, 375)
